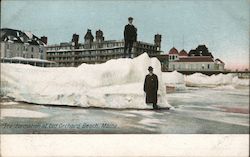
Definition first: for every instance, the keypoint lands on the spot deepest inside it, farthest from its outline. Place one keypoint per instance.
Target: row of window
(60, 58)
(140, 50)
(100, 58)
(94, 46)
(59, 53)
(92, 58)
(65, 64)
(104, 45)
(172, 57)
(147, 46)
(87, 52)
(9, 55)
(23, 48)
(191, 66)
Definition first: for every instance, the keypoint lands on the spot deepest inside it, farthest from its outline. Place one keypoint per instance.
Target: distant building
(23, 47)
(96, 51)
(15, 43)
(164, 60)
(219, 65)
(199, 59)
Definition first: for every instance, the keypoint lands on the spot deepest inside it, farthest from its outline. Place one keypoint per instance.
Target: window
(203, 66)
(8, 46)
(31, 56)
(32, 49)
(208, 66)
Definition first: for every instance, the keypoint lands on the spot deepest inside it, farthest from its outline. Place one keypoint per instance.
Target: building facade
(164, 60)
(15, 43)
(96, 50)
(199, 59)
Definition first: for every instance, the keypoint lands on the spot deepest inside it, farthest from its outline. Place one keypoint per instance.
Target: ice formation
(117, 83)
(200, 80)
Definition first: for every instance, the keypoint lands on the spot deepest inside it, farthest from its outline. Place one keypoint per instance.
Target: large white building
(199, 59)
(96, 51)
(15, 43)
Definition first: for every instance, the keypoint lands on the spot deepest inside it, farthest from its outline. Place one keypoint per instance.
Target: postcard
(144, 71)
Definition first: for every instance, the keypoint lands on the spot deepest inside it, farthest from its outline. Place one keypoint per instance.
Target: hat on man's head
(150, 68)
(130, 18)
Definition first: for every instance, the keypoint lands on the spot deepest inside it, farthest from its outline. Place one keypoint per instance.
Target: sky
(222, 25)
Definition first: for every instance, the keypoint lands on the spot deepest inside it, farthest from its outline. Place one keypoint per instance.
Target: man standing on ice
(151, 87)
(130, 36)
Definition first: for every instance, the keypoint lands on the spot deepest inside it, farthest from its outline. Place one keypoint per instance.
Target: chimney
(75, 40)
(44, 39)
(88, 39)
(157, 41)
(99, 36)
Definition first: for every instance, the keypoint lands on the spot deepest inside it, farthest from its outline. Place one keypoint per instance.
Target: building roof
(173, 51)
(220, 61)
(183, 53)
(17, 36)
(196, 59)
(201, 47)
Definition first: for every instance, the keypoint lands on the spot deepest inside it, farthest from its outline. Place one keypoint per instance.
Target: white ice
(118, 83)
(227, 81)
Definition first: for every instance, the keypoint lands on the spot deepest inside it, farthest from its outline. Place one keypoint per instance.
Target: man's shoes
(155, 107)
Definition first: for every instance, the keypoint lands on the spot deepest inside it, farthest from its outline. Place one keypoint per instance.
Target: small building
(96, 51)
(15, 43)
(199, 59)
(220, 65)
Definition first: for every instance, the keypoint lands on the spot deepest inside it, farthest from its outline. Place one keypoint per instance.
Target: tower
(157, 41)
(99, 36)
(75, 40)
(88, 39)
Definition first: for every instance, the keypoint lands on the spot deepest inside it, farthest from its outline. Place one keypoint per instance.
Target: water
(195, 111)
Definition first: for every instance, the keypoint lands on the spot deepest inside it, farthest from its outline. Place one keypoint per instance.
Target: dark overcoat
(151, 88)
(130, 33)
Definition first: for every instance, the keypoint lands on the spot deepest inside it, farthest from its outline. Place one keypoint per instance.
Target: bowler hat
(150, 68)
(130, 18)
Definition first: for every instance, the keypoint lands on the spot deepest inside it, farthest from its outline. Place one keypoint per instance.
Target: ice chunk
(118, 83)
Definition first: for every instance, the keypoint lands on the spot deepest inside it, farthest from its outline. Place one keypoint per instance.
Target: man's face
(130, 21)
(151, 71)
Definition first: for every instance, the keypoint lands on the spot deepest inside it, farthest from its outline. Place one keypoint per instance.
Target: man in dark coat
(151, 87)
(130, 36)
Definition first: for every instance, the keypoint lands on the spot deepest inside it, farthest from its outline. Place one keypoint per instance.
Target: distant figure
(130, 36)
(151, 88)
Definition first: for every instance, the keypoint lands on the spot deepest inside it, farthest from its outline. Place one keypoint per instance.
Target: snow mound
(173, 78)
(199, 79)
(227, 81)
(117, 83)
